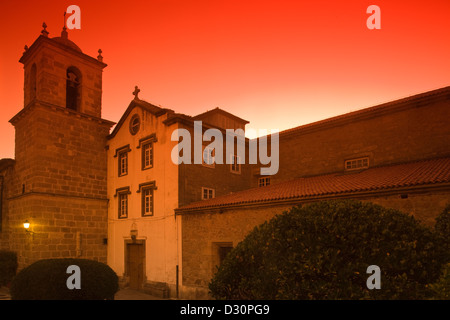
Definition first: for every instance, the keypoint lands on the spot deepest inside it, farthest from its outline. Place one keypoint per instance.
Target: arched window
(33, 81)
(73, 88)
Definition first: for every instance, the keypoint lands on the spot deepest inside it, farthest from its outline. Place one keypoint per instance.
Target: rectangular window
(147, 197)
(207, 193)
(122, 202)
(235, 166)
(220, 252)
(123, 163)
(147, 202)
(147, 155)
(355, 164)
(123, 205)
(264, 181)
(223, 252)
(147, 152)
(122, 159)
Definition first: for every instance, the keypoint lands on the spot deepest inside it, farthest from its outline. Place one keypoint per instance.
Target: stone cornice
(37, 104)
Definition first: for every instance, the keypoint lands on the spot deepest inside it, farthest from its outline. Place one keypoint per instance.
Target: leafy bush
(322, 251)
(8, 266)
(441, 288)
(46, 280)
(442, 225)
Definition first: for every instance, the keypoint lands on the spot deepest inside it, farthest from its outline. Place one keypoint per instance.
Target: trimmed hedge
(322, 251)
(46, 280)
(8, 266)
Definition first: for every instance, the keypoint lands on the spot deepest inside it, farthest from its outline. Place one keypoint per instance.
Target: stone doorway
(135, 264)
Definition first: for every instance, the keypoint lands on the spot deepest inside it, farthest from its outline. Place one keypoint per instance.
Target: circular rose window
(135, 124)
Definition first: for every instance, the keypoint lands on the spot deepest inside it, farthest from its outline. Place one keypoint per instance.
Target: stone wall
(59, 151)
(61, 227)
(5, 178)
(59, 185)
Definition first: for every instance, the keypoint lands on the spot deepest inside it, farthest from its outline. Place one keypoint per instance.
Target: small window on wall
(220, 252)
(263, 181)
(223, 252)
(147, 197)
(147, 155)
(147, 202)
(207, 193)
(355, 164)
(123, 163)
(123, 205)
(235, 166)
(122, 202)
(146, 145)
(122, 160)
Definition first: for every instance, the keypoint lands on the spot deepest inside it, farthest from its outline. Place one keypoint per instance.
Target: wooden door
(136, 264)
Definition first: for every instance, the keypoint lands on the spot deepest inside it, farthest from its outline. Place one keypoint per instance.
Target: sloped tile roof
(425, 172)
(408, 102)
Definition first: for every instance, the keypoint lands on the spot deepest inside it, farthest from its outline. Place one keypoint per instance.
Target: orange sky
(278, 64)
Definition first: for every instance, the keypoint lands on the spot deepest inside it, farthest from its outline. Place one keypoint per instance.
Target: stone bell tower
(59, 183)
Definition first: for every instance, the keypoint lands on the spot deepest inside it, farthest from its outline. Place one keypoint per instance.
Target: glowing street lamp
(26, 225)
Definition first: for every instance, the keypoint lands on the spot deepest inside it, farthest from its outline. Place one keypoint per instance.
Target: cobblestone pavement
(122, 294)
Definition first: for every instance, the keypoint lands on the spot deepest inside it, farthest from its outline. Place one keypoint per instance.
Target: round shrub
(46, 280)
(8, 266)
(322, 251)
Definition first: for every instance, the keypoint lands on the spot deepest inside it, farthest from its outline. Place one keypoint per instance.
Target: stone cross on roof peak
(44, 31)
(136, 92)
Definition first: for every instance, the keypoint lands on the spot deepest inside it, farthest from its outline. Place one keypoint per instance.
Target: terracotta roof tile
(410, 174)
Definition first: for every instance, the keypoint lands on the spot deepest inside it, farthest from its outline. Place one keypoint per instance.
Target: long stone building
(120, 198)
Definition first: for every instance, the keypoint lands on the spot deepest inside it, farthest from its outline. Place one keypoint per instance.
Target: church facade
(118, 196)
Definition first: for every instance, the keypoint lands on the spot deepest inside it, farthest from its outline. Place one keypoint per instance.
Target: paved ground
(4, 293)
(123, 294)
(129, 294)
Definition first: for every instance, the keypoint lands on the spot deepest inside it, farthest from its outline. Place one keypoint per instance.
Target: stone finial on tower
(44, 31)
(64, 33)
(100, 57)
(136, 92)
